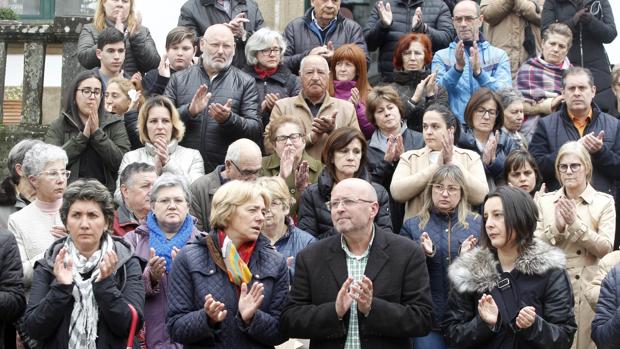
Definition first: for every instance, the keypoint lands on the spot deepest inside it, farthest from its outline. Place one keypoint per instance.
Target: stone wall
(11, 135)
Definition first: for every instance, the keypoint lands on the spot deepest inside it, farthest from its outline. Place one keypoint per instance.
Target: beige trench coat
(585, 241)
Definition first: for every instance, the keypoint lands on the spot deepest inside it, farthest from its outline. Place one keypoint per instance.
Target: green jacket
(110, 141)
(271, 167)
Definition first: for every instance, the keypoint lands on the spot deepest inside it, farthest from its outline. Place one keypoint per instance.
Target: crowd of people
(248, 186)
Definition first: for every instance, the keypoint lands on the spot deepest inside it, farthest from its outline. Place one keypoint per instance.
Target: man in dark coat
(217, 102)
(320, 31)
(242, 16)
(362, 287)
(13, 295)
(390, 21)
(592, 23)
(580, 119)
(605, 329)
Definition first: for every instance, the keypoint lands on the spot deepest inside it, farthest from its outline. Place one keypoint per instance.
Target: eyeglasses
(86, 92)
(440, 188)
(294, 137)
(483, 111)
(178, 202)
(269, 51)
(246, 173)
(275, 203)
(62, 174)
(347, 203)
(574, 167)
(467, 19)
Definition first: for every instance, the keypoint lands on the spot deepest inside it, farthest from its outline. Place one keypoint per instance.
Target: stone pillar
(277, 13)
(3, 48)
(32, 95)
(70, 66)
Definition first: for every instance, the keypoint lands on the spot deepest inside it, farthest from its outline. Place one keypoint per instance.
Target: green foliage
(7, 14)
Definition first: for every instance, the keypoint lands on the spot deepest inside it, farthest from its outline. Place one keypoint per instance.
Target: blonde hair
(232, 195)
(578, 149)
(99, 19)
(452, 173)
(126, 86)
(178, 128)
(278, 190)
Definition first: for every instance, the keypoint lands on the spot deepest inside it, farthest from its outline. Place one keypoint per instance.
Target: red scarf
(264, 73)
(245, 250)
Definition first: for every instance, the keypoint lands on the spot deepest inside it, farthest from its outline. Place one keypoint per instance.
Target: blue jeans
(434, 340)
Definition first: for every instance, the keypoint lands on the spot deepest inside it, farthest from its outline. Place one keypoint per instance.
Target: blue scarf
(161, 244)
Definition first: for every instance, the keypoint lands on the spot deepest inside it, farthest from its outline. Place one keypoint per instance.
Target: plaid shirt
(356, 265)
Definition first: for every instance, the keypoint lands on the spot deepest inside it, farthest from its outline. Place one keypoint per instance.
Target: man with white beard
(217, 102)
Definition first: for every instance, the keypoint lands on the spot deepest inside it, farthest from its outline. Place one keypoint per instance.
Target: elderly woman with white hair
(168, 228)
(582, 222)
(37, 225)
(161, 129)
(264, 52)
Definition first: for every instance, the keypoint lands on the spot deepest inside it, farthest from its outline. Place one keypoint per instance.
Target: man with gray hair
(320, 113)
(243, 162)
(136, 181)
(217, 102)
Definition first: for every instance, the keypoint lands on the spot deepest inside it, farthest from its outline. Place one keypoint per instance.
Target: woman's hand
(488, 156)
(447, 143)
(92, 123)
(556, 102)
(157, 266)
(161, 154)
(431, 85)
(395, 148)
(175, 251)
(269, 101)
(133, 105)
(63, 271)
(427, 244)
(58, 231)
(468, 244)
(287, 162)
(249, 302)
(216, 311)
(420, 90)
(560, 223)
(136, 27)
(355, 96)
(488, 309)
(542, 190)
(568, 210)
(526, 317)
(107, 265)
(301, 177)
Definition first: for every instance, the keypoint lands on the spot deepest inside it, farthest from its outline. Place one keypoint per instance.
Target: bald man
(320, 113)
(217, 102)
(361, 283)
(243, 162)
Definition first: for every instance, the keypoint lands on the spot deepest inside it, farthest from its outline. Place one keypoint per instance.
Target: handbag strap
(509, 306)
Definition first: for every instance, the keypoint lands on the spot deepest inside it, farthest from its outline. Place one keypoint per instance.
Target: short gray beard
(208, 62)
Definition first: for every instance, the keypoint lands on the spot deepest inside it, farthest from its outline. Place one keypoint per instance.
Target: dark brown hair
(481, 96)
(337, 140)
(382, 93)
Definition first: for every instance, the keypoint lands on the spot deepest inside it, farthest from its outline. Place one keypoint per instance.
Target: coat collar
(281, 75)
(477, 270)
(587, 195)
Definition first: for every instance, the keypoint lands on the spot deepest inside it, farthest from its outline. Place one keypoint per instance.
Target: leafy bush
(7, 13)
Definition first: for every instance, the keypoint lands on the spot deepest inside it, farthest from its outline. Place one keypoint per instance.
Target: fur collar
(476, 270)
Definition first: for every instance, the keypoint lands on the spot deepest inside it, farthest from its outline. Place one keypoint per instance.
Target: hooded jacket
(538, 279)
(50, 304)
(316, 219)
(109, 141)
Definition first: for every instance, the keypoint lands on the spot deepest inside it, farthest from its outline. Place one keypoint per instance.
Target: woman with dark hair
(16, 192)
(228, 287)
(484, 117)
(348, 81)
(582, 222)
(416, 167)
(344, 156)
(521, 171)
(513, 291)
(94, 140)
(444, 228)
(413, 79)
(140, 51)
(83, 285)
(390, 139)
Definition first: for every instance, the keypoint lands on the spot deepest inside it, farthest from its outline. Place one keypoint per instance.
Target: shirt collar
(343, 244)
(587, 195)
(573, 117)
(317, 23)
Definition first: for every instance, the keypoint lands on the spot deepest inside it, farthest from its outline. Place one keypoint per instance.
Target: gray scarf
(85, 314)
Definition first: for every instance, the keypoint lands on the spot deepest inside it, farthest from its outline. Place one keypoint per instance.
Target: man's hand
(385, 13)
(220, 112)
(164, 66)
(344, 299)
(199, 101)
(416, 20)
(592, 143)
(236, 24)
(460, 56)
(474, 59)
(361, 292)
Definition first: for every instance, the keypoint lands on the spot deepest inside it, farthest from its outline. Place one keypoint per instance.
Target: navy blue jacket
(439, 228)
(606, 324)
(195, 274)
(292, 242)
(556, 129)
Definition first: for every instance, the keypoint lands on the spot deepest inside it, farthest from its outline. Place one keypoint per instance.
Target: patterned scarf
(236, 261)
(537, 79)
(85, 313)
(160, 243)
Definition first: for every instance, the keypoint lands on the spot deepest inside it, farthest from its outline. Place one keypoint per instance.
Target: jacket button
(257, 276)
(576, 277)
(578, 252)
(211, 271)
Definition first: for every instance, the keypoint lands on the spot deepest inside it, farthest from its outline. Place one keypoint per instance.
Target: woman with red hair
(350, 83)
(413, 80)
